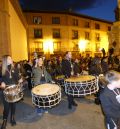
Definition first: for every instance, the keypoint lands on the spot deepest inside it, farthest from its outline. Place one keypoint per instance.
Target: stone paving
(86, 115)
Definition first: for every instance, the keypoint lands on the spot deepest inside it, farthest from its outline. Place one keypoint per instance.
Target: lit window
(56, 33)
(87, 35)
(97, 26)
(37, 20)
(97, 37)
(87, 25)
(57, 46)
(74, 34)
(75, 22)
(37, 33)
(97, 45)
(38, 46)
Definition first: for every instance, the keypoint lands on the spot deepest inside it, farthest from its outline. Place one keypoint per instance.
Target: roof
(69, 13)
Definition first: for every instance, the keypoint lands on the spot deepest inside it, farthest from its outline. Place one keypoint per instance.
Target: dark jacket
(15, 77)
(77, 69)
(110, 105)
(28, 69)
(105, 67)
(95, 70)
(66, 67)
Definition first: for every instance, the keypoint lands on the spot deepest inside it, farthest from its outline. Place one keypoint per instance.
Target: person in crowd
(10, 75)
(96, 70)
(50, 68)
(95, 67)
(118, 63)
(110, 100)
(40, 76)
(59, 66)
(28, 69)
(76, 68)
(67, 69)
(44, 60)
(21, 70)
(104, 65)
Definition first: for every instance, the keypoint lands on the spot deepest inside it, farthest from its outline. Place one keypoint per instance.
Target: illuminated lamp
(48, 47)
(82, 45)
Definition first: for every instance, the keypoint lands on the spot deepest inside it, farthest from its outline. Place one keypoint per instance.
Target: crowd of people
(41, 70)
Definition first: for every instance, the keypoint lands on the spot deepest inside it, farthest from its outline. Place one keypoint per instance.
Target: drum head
(60, 77)
(81, 78)
(81, 86)
(45, 89)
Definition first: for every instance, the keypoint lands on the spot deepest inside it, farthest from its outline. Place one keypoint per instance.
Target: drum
(81, 86)
(13, 93)
(60, 80)
(46, 95)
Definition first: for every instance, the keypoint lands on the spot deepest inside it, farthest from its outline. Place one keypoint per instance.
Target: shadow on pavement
(86, 100)
(62, 109)
(26, 113)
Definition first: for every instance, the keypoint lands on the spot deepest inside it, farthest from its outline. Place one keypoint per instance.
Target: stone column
(117, 11)
(5, 46)
(114, 34)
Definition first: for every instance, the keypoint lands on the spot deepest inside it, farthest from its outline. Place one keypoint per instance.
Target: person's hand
(20, 81)
(101, 75)
(52, 82)
(3, 85)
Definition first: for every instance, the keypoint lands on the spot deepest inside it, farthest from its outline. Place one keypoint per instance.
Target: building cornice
(69, 13)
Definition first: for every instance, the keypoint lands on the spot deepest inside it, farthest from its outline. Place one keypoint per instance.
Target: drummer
(67, 69)
(40, 76)
(10, 76)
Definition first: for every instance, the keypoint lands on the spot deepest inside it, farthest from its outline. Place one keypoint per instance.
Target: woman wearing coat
(40, 76)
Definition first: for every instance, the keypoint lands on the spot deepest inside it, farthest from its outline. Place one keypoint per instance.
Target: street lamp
(82, 45)
(48, 47)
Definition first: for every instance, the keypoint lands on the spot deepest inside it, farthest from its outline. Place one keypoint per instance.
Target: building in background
(13, 36)
(114, 34)
(24, 33)
(66, 31)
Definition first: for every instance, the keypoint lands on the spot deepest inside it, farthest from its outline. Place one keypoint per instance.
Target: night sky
(103, 9)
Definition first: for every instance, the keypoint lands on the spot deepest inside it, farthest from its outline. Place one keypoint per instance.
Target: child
(110, 100)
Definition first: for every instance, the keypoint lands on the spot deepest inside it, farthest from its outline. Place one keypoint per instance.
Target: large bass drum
(81, 86)
(46, 95)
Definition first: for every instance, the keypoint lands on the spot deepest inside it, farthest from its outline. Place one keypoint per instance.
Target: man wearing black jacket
(110, 100)
(67, 69)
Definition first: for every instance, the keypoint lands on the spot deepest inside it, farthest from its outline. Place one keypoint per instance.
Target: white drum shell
(77, 87)
(48, 100)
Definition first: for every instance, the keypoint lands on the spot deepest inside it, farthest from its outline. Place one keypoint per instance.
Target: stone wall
(114, 36)
(5, 44)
